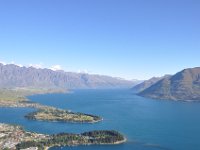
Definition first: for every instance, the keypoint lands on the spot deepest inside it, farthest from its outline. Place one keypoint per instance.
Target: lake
(148, 124)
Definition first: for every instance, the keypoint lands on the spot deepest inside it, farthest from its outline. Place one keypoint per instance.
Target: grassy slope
(19, 94)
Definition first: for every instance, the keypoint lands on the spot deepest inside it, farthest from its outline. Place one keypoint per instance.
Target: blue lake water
(147, 124)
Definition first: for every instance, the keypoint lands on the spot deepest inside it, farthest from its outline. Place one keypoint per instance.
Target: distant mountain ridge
(12, 76)
(184, 85)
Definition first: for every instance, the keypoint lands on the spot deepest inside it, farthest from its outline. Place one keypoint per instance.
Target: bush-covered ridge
(67, 139)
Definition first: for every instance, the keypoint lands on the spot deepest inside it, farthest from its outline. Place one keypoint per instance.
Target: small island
(16, 138)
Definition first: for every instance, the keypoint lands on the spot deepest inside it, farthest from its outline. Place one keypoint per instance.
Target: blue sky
(133, 39)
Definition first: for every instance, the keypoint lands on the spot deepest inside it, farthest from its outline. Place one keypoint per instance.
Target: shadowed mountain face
(14, 76)
(146, 84)
(184, 85)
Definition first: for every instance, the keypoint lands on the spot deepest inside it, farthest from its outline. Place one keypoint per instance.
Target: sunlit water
(147, 124)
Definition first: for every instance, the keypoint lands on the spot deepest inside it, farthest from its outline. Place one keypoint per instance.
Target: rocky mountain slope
(184, 85)
(14, 76)
(146, 84)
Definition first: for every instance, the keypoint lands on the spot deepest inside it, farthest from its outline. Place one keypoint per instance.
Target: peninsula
(17, 98)
(54, 114)
(16, 138)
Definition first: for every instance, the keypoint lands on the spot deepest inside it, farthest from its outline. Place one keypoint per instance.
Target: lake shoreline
(43, 108)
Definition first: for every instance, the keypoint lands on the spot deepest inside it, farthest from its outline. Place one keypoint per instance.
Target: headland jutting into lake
(15, 137)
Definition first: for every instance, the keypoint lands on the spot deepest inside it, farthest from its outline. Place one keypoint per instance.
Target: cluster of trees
(31, 116)
(104, 136)
(55, 140)
(24, 145)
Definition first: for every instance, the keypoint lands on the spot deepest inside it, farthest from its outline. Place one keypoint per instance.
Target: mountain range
(12, 76)
(184, 85)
